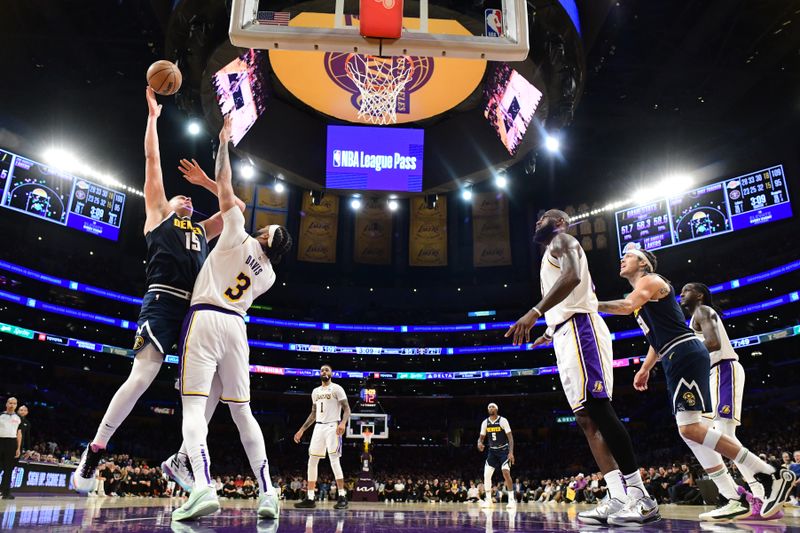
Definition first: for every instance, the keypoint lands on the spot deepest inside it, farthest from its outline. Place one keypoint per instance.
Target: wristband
(537, 310)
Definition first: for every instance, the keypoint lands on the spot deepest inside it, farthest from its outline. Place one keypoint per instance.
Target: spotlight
(466, 193)
(247, 171)
(552, 143)
(431, 200)
(393, 205)
(194, 128)
(355, 203)
(316, 197)
(279, 186)
(501, 180)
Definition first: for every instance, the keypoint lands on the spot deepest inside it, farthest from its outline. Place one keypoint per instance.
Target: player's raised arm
(194, 174)
(155, 199)
(707, 321)
(223, 172)
(647, 288)
(566, 248)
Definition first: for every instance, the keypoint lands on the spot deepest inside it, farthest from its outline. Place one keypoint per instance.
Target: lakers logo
(725, 409)
(598, 386)
(689, 398)
(138, 342)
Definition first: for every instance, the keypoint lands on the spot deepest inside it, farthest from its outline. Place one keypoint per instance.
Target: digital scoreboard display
(50, 194)
(737, 203)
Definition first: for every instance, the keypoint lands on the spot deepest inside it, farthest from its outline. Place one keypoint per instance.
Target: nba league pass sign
(372, 158)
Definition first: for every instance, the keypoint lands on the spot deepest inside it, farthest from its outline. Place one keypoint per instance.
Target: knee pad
(336, 466)
(686, 418)
(707, 457)
(313, 466)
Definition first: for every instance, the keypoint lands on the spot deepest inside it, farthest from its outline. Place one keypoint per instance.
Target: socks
(310, 494)
(753, 462)
(341, 492)
(616, 489)
(201, 461)
(724, 482)
(635, 486)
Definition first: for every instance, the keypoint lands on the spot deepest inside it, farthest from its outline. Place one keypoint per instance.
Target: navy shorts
(498, 458)
(686, 368)
(160, 321)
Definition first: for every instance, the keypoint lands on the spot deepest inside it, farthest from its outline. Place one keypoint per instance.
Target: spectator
(10, 445)
(25, 426)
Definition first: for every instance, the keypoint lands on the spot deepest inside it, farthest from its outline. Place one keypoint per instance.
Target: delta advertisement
(374, 158)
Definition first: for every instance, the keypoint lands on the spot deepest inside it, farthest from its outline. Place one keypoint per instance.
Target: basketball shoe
(83, 478)
(201, 502)
(305, 504)
(731, 510)
(599, 515)
(637, 511)
(180, 470)
(268, 505)
(776, 490)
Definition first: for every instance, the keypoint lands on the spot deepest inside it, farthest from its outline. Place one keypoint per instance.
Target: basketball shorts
(214, 340)
(686, 369)
(726, 384)
(497, 458)
(324, 440)
(159, 322)
(585, 359)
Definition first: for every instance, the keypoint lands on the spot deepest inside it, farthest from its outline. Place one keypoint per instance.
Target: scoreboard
(50, 194)
(736, 203)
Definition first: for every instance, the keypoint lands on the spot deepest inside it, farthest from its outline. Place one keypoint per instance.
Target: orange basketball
(164, 77)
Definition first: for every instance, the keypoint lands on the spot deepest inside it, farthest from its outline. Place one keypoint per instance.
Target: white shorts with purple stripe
(726, 383)
(325, 441)
(585, 359)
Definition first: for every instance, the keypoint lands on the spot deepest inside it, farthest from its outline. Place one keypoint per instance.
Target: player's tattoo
(613, 307)
(222, 158)
(663, 291)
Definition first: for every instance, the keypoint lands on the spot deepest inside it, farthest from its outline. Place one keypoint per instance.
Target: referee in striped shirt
(10, 445)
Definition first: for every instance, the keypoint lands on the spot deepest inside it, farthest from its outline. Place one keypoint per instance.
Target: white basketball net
(380, 81)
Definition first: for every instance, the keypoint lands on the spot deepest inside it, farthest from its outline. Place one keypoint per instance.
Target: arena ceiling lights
(67, 161)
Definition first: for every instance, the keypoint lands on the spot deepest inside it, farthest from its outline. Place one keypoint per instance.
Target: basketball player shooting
(726, 381)
(500, 455)
(176, 249)
(214, 343)
(686, 364)
(582, 344)
(328, 402)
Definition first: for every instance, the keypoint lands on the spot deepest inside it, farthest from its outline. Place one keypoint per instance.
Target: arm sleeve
(483, 427)
(505, 425)
(233, 233)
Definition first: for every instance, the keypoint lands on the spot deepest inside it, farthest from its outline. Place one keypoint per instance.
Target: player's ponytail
(708, 298)
(279, 245)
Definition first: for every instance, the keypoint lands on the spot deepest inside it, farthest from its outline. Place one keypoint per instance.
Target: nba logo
(337, 158)
(494, 23)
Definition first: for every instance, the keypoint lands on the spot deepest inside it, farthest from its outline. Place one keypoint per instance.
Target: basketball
(164, 77)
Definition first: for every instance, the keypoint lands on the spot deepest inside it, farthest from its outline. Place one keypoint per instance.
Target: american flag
(273, 18)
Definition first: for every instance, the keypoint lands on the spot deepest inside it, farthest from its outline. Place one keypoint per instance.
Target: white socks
(753, 462)
(728, 428)
(195, 432)
(253, 441)
(724, 482)
(616, 489)
(635, 486)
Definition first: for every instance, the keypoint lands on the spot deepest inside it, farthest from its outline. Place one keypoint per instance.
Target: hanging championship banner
(268, 198)
(490, 232)
(268, 218)
(373, 242)
(427, 239)
(318, 226)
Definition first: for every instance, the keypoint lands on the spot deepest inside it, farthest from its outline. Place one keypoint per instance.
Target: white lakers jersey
(236, 271)
(726, 350)
(326, 400)
(582, 299)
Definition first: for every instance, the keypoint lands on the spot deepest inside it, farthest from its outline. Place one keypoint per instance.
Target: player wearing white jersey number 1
(213, 343)
(329, 415)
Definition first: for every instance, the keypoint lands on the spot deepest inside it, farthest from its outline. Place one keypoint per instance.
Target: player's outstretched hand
(340, 429)
(541, 340)
(298, 436)
(640, 380)
(225, 132)
(153, 107)
(481, 447)
(192, 172)
(521, 329)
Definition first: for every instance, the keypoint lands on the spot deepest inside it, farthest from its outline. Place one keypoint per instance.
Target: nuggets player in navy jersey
(497, 430)
(687, 365)
(176, 250)
(726, 381)
(584, 356)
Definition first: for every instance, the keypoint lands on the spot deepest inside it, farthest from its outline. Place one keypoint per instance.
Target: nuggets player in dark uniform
(497, 431)
(176, 249)
(686, 364)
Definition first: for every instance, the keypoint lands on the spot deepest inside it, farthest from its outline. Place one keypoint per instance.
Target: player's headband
(492, 405)
(640, 255)
(271, 231)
